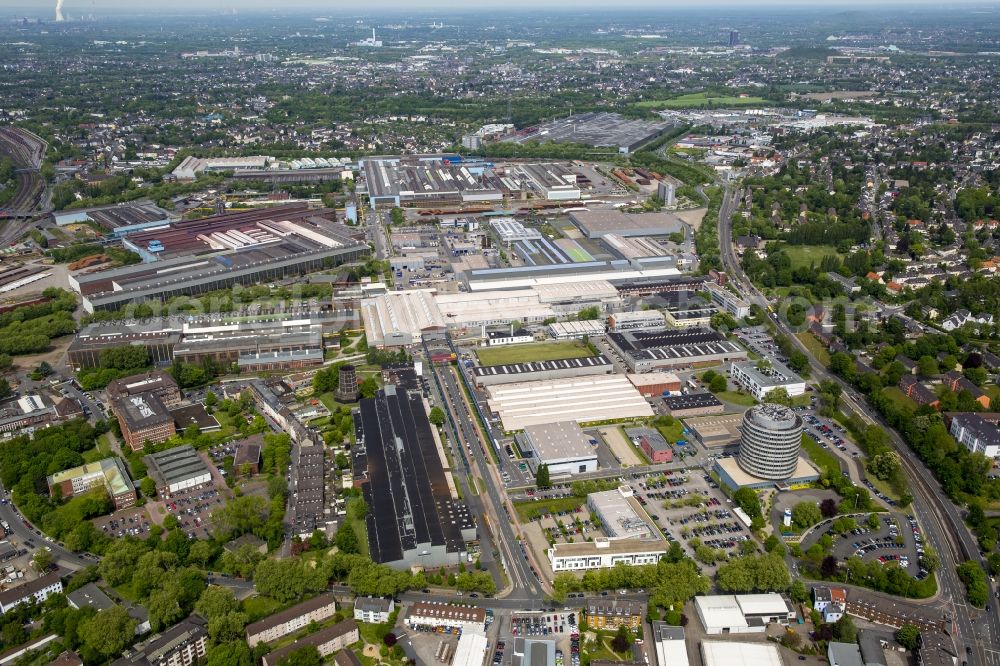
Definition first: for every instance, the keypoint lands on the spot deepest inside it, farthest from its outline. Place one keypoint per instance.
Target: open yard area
(621, 448)
(536, 351)
(900, 398)
(694, 100)
(735, 398)
(805, 255)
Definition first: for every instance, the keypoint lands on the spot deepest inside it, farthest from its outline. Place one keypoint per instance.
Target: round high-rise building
(769, 447)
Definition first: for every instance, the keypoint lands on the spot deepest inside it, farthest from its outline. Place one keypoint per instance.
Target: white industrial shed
(580, 399)
(725, 653)
(471, 649)
(720, 614)
(744, 613)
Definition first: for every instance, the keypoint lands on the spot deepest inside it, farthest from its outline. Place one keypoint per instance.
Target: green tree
(368, 388)
(747, 500)
(5, 390)
(216, 601)
(164, 608)
(798, 592)
(437, 416)
(930, 560)
(779, 396)
(228, 627)
(42, 560)
(148, 487)
(927, 366)
(542, 479)
(622, 641)
(347, 540)
(307, 655)
(885, 465)
(718, 384)
(235, 653)
(908, 636)
(806, 514)
(844, 630)
(108, 632)
(586, 314)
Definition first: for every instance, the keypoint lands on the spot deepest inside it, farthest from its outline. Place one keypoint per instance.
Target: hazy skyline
(325, 7)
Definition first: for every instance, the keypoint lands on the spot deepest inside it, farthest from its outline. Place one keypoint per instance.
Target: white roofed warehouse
(742, 613)
(725, 653)
(561, 445)
(582, 399)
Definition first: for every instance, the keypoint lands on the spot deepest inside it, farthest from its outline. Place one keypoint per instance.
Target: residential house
(610, 613)
(916, 391)
(180, 645)
(957, 382)
(373, 610)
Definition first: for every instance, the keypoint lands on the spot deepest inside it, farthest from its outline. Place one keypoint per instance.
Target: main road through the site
(487, 500)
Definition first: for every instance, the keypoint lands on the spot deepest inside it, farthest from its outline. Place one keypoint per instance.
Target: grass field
(694, 100)
(804, 255)
(815, 347)
(735, 398)
(900, 398)
(536, 351)
(258, 607)
(821, 457)
(672, 433)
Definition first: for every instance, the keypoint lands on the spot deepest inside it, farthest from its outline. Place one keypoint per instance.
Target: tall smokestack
(59, 14)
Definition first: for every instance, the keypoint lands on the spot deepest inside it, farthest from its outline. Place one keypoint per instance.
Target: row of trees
(673, 579)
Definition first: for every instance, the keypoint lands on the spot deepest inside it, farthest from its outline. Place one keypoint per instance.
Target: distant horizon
(321, 8)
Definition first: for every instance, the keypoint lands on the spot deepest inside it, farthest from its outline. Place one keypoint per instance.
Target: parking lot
(133, 521)
(897, 539)
(193, 508)
(690, 506)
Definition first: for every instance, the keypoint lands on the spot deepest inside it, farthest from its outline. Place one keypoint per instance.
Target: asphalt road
(524, 584)
(939, 517)
(66, 559)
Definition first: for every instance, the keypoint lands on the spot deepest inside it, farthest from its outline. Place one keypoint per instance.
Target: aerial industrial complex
(598, 129)
(195, 257)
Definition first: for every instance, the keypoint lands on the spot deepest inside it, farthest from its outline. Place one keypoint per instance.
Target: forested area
(30, 329)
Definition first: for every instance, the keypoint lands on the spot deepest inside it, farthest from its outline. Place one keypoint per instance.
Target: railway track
(26, 150)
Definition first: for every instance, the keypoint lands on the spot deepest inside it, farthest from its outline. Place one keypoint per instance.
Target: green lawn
(553, 505)
(101, 450)
(822, 458)
(535, 351)
(744, 399)
(804, 255)
(900, 398)
(672, 433)
(258, 607)
(694, 100)
(815, 347)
